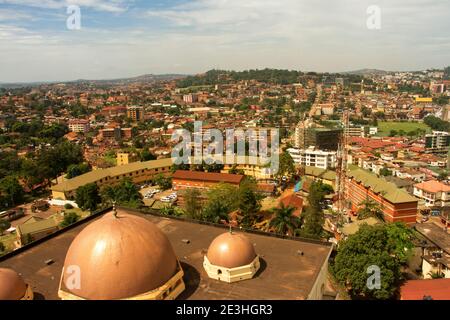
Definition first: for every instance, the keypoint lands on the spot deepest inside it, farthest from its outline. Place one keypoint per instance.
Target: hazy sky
(121, 38)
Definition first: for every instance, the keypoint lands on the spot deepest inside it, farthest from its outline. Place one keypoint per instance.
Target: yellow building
(251, 166)
(138, 172)
(125, 158)
(424, 100)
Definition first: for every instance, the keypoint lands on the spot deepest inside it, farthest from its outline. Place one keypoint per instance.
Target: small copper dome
(12, 286)
(231, 250)
(119, 256)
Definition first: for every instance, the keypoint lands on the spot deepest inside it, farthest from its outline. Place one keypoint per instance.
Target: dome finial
(114, 209)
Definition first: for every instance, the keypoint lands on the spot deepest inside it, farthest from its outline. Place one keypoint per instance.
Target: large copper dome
(231, 250)
(120, 257)
(12, 286)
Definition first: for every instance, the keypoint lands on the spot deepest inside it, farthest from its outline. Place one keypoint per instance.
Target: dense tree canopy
(11, 190)
(69, 219)
(75, 170)
(212, 77)
(437, 124)
(126, 193)
(383, 246)
(222, 200)
(313, 216)
(88, 197)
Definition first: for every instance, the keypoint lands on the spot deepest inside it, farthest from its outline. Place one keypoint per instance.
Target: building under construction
(307, 134)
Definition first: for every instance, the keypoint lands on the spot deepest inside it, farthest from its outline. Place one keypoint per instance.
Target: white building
(312, 157)
(79, 125)
(435, 193)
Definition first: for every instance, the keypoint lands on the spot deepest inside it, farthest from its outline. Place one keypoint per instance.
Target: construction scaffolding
(341, 168)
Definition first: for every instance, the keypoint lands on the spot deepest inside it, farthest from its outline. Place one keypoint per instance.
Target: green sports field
(384, 128)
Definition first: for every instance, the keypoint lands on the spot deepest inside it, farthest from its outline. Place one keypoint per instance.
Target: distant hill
(139, 79)
(212, 77)
(367, 72)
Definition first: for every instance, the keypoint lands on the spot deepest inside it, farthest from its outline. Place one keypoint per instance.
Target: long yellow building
(137, 171)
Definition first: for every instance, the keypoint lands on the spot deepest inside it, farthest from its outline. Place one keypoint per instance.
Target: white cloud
(321, 35)
(12, 15)
(100, 5)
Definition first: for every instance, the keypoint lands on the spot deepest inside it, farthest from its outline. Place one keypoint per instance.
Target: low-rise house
(435, 193)
(436, 253)
(34, 229)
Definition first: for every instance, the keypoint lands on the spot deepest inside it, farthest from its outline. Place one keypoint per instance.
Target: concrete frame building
(79, 125)
(135, 113)
(437, 142)
(313, 157)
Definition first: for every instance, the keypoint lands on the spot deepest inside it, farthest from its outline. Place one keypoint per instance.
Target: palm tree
(283, 221)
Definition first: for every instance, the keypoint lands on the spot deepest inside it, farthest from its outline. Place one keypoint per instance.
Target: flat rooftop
(284, 273)
(436, 234)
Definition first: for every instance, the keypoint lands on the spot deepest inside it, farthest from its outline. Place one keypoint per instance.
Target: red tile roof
(437, 289)
(433, 186)
(293, 201)
(208, 176)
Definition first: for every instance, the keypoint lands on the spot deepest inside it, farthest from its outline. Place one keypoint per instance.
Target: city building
(395, 203)
(125, 158)
(306, 135)
(190, 98)
(254, 167)
(34, 229)
(318, 174)
(138, 172)
(435, 193)
(116, 133)
(437, 142)
(436, 250)
(312, 157)
(151, 252)
(183, 179)
(135, 113)
(79, 125)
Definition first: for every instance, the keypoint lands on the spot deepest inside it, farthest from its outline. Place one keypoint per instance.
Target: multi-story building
(435, 193)
(116, 133)
(79, 125)
(438, 142)
(135, 113)
(124, 158)
(190, 98)
(321, 138)
(395, 203)
(138, 172)
(312, 157)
